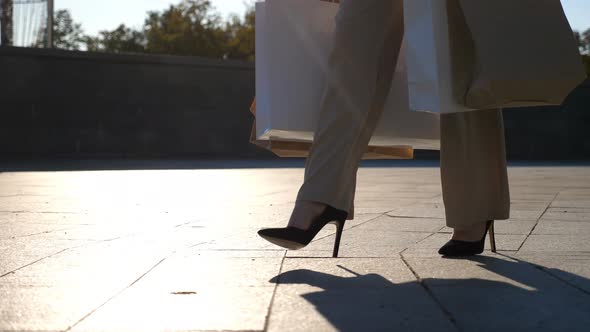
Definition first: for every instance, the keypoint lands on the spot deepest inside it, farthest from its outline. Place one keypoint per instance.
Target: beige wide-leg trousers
(366, 44)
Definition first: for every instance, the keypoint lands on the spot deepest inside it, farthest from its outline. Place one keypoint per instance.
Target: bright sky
(96, 15)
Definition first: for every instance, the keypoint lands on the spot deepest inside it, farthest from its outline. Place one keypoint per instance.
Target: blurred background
(175, 78)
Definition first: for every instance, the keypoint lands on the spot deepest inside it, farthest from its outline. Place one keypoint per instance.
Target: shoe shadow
(519, 296)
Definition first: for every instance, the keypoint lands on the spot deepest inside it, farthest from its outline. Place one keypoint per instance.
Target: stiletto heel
(492, 236)
(465, 248)
(339, 229)
(294, 238)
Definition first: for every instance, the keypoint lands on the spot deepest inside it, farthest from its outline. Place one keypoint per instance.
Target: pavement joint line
(24, 195)
(351, 227)
(568, 207)
(42, 212)
(429, 236)
(274, 293)
(233, 249)
(31, 331)
(38, 260)
(544, 270)
(412, 217)
(88, 243)
(118, 293)
(40, 233)
(198, 244)
(183, 224)
(538, 220)
(430, 293)
(342, 258)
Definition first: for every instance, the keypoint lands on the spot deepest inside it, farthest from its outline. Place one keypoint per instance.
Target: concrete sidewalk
(152, 250)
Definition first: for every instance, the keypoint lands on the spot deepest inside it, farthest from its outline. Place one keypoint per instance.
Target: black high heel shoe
(455, 248)
(294, 238)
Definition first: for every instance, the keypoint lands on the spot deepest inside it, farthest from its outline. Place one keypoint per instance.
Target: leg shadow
(518, 296)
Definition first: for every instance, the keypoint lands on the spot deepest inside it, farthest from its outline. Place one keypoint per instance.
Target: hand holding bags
(293, 44)
(468, 55)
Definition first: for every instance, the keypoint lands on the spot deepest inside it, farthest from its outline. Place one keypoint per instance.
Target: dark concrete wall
(64, 103)
(75, 103)
(551, 132)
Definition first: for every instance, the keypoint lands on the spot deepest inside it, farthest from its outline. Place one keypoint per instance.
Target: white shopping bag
(465, 55)
(293, 41)
(428, 53)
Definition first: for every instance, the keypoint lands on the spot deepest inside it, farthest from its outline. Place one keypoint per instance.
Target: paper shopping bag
(466, 55)
(525, 53)
(294, 149)
(292, 45)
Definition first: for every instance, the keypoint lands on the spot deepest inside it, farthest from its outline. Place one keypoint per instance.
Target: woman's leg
(366, 45)
(473, 171)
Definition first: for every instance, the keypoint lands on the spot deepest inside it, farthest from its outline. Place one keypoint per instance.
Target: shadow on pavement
(523, 297)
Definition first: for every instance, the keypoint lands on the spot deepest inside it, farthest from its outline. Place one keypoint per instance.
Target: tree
(241, 36)
(120, 40)
(67, 34)
(189, 28)
(6, 8)
(584, 44)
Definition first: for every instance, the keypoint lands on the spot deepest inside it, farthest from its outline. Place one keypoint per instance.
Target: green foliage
(583, 39)
(67, 34)
(191, 27)
(120, 40)
(241, 34)
(585, 42)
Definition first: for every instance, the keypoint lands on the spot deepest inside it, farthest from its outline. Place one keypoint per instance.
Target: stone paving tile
(372, 210)
(393, 224)
(558, 243)
(514, 226)
(43, 218)
(534, 196)
(249, 239)
(511, 226)
(12, 230)
(358, 242)
(571, 267)
(188, 292)
(568, 214)
(352, 295)
(547, 227)
(17, 253)
(209, 219)
(420, 210)
(521, 213)
(509, 242)
(56, 292)
(268, 215)
(380, 205)
(567, 199)
(529, 204)
(239, 253)
(572, 202)
(495, 293)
